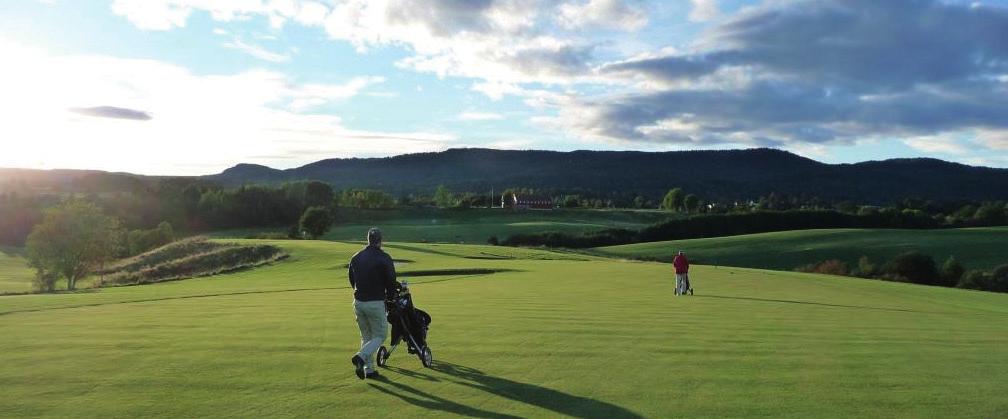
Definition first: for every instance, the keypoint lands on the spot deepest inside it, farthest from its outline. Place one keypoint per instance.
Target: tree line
(196, 205)
(918, 268)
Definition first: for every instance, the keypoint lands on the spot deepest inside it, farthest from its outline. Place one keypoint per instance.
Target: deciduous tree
(316, 221)
(73, 239)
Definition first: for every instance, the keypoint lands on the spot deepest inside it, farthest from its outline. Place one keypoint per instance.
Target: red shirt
(681, 264)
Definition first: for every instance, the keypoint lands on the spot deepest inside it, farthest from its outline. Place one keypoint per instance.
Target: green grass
(15, 275)
(976, 248)
(472, 225)
(549, 334)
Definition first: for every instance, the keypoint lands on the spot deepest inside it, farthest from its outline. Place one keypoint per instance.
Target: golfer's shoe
(371, 375)
(358, 363)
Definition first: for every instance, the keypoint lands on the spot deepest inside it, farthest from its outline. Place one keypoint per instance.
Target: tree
(951, 272)
(673, 200)
(318, 194)
(691, 202)
(316, 221)
(74, 238)
(914, 267)
(571, 201)
(989, 214)
(443, 197)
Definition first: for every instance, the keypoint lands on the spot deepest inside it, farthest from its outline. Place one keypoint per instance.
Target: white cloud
(313, 94)
(511, 144)
(613, 14)
(257, 51)
(994, 139)
(480, 116)
(503, 40)
(198, 123)
(704, 10)
(496, 90)
(936, 144)
(153, 15)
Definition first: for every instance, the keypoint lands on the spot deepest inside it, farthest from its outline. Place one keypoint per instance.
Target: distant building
(526, 202)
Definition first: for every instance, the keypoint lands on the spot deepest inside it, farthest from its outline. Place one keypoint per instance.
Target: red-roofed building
(527, 202)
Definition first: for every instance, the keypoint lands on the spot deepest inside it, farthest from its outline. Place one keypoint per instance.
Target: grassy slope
(474, 225)
(576, 337)
(15, 276)
(976, 248)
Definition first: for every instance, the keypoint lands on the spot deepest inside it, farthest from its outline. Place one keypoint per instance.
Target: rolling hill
(726, 175)
(975, 248)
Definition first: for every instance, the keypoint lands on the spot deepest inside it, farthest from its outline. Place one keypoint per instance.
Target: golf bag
(683, 284)
(409, 324)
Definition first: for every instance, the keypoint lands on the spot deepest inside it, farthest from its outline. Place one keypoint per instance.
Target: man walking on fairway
(681, 265)
(372, 277)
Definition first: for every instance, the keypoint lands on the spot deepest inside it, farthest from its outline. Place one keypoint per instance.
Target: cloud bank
(796, 74)
(814, 72)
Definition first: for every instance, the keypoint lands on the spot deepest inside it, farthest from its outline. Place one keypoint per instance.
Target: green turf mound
(189, 258)
(975, 248)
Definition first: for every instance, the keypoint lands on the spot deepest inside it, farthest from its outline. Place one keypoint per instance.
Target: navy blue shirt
(372, 274)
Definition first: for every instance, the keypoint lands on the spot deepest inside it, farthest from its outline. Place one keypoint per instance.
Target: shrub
(951, 272)
(829, 267)
(999, 279)
(139, 241)
(914, 267)
(974, 280)
(866, 268)
(493, 240)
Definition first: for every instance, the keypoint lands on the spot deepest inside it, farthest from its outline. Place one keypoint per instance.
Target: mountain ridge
(714, 174)
(725, 175)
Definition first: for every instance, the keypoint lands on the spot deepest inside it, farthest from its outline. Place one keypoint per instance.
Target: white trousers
(373, 328)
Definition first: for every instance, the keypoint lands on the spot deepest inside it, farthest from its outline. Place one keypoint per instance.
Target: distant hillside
(727, 175)
(66, 180)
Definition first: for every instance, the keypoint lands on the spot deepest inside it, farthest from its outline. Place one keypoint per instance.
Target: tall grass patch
(189, 258)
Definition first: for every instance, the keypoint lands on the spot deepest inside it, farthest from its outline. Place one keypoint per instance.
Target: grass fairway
(15, 275)
(976, 248)
(558, 334)
(474, 225)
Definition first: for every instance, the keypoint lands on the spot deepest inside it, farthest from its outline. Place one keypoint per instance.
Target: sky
(191, 87)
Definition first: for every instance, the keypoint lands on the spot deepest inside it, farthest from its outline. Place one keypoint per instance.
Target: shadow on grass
(767, 300)
(553, 400)
(454, 271)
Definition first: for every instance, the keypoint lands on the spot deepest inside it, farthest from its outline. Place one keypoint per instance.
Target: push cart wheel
(382, 356)
(426, 357)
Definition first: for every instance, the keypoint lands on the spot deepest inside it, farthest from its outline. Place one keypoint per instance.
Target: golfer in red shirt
(681, 265)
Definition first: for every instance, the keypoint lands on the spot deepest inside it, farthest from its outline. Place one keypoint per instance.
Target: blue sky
(191, 87)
